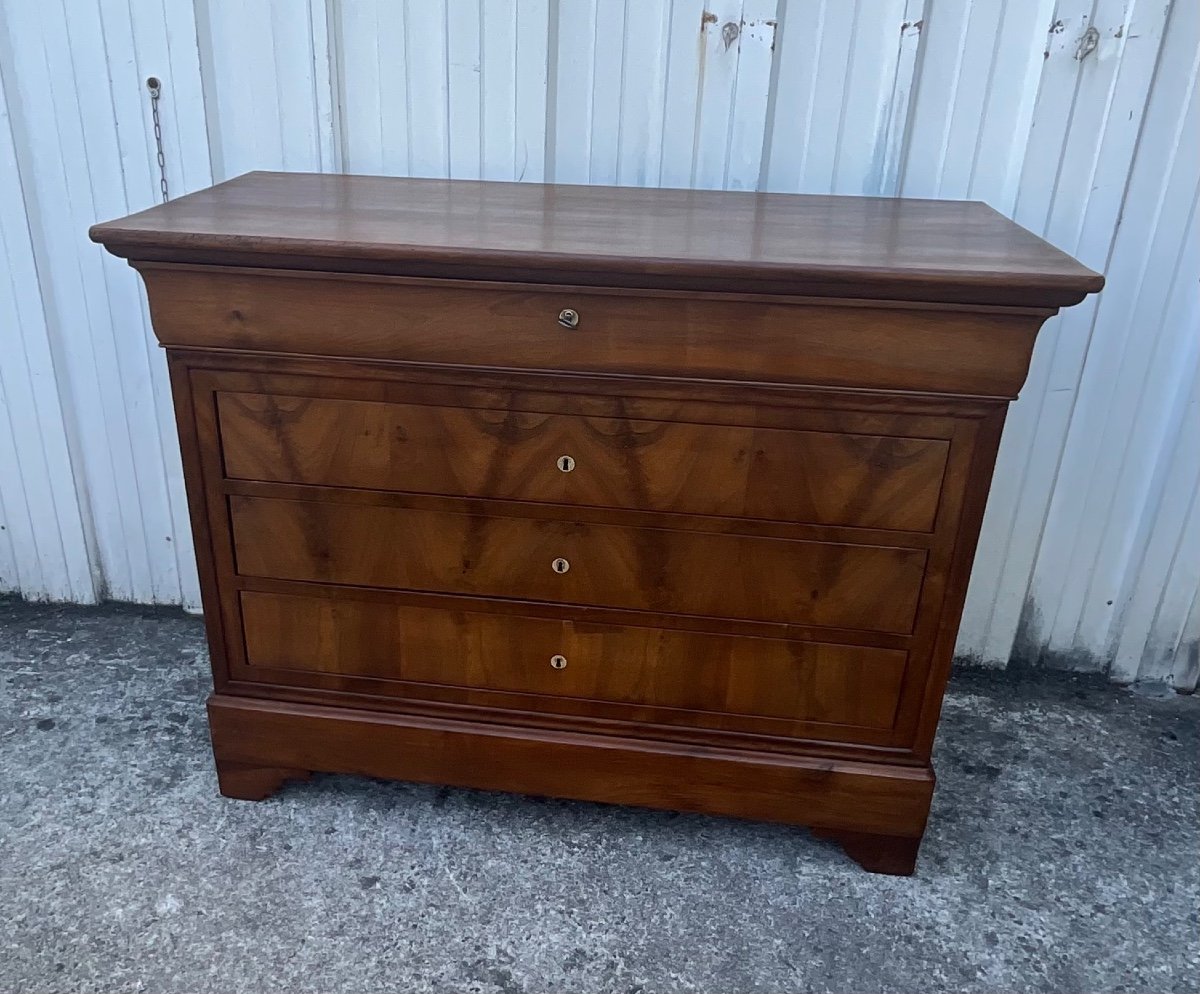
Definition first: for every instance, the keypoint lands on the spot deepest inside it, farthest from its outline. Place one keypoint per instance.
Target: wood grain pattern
(687, 239)
(798, 407)
(697, 336)
(867, 797)
(645, 666)
(870, 481)
(642, 569)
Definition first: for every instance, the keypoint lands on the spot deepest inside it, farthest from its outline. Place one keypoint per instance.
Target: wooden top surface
(617, 236)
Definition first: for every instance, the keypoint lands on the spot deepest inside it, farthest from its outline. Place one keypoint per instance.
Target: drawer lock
(566, 463)
(560, 565)
(568, 318)
(558, 662)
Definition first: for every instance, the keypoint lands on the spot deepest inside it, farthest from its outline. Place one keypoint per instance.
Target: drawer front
(644, 569)
(922, 347)
(775, 678)
(817, 477)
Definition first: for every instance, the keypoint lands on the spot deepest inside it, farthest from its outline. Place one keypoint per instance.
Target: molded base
(876, 811)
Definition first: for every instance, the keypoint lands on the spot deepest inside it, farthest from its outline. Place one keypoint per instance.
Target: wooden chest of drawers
(652, 497)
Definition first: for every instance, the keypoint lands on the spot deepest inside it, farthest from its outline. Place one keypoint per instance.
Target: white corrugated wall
(1078, 118)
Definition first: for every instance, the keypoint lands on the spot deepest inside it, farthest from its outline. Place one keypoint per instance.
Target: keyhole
(558, 662)
(560, 565)
(566, 463)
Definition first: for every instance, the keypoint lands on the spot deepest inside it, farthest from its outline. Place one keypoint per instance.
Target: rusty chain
(155, 87)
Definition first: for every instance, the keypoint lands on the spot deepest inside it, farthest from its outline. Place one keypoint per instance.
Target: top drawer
(816, 477)
(871, 345)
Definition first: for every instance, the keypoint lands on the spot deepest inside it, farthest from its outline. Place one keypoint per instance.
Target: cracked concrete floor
(1061, 855)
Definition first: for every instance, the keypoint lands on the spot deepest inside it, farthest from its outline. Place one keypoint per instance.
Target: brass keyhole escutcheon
(558, 662)
(568, 318)
(566, 463)
(560, 565)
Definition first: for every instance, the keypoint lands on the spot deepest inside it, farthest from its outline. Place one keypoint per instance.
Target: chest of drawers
(651, 497)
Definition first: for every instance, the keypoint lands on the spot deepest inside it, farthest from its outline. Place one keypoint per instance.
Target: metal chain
(155, 88)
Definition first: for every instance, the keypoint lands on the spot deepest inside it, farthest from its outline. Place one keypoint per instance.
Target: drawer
(868, 345)
(643, 569)
(817, 477)
(762, 677)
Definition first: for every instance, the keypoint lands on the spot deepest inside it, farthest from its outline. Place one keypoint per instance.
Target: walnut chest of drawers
(652, 497)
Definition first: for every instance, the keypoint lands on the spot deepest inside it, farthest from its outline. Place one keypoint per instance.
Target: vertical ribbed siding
(267, 86)
(1090, 555)
(842, 96)
(449, 88)
(73, 82)
(43, 551)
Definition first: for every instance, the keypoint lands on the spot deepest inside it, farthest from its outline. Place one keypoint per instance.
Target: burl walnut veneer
(645, 496)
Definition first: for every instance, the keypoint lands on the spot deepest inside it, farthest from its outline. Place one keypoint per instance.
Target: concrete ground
(1061, 855)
